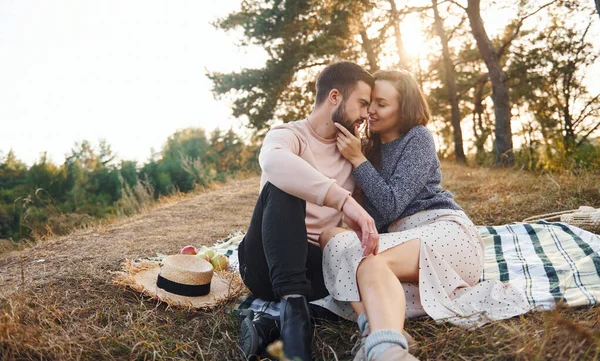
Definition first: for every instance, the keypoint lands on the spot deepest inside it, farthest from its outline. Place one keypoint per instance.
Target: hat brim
(142, 276)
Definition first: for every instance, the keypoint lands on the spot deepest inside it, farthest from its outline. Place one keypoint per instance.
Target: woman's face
(384, 109)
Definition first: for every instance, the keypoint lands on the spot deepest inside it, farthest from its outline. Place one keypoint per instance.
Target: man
(306, 188)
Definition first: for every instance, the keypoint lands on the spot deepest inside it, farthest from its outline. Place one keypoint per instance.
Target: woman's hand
(350, 146)
(363, 225)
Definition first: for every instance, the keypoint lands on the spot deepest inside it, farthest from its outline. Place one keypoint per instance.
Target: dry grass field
(57, 301)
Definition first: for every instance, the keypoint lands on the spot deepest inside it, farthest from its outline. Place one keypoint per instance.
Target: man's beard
(340, 116)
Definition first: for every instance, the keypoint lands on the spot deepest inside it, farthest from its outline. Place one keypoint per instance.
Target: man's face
(352, 112)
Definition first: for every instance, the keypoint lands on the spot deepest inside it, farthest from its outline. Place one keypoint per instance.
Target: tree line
(48, 199)
(528, 83)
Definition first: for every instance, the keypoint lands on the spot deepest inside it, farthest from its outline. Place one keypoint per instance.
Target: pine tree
(299, 36)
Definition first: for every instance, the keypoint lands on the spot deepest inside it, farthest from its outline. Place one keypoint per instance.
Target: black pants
(275, 257)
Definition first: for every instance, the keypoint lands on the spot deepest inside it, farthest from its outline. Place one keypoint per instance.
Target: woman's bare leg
(358, 307)
(379, 281)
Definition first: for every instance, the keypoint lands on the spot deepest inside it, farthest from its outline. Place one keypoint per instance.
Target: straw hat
(181, 280)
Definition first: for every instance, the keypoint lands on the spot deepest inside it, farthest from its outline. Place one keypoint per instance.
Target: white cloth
(450, 265)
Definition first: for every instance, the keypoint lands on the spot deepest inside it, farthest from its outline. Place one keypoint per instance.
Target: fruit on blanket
(209, 251)
(203, 255)
(206, 253)
(220, 262)
(189, 250)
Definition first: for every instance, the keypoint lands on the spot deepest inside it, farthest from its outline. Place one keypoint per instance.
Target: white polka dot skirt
(450, 266)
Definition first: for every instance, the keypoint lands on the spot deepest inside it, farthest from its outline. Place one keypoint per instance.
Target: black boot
(257, 331)
(296, 331)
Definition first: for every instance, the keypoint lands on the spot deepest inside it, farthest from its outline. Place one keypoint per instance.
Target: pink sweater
(295, 159)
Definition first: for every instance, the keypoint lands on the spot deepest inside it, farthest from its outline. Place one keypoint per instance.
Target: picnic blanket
(550, 263)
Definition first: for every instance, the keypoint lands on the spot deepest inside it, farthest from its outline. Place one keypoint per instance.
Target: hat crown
(187, 269)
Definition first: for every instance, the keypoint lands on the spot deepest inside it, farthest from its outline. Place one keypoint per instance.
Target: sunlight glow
(415, 42)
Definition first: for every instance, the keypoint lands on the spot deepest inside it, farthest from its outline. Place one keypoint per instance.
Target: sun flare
(415, 42)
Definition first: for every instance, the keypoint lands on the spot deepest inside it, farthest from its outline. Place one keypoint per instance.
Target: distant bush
(557, 158)
(47, 199)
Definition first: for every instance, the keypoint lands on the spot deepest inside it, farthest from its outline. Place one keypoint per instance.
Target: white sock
(363, 324)
(379, 341)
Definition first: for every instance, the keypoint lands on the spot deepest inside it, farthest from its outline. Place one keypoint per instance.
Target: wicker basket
(585, 217)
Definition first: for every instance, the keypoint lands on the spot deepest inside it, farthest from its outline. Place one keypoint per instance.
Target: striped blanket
(548, 262)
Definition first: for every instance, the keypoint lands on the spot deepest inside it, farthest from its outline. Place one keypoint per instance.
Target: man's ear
(335, 97)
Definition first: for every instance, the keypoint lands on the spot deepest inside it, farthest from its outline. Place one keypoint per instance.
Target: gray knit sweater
(408, 181)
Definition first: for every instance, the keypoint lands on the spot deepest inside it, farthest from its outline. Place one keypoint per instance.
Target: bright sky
(129, 71)
(132, 72)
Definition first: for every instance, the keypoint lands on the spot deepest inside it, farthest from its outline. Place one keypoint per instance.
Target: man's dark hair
(342, 76)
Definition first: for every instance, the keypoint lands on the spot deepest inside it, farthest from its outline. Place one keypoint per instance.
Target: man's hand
(363, 224)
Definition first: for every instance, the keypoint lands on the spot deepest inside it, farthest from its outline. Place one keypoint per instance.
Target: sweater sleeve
(280, 160)
(412, 171)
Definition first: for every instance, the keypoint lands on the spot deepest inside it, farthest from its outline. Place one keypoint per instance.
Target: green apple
(220, 262)
(203, 255)
(208, 251)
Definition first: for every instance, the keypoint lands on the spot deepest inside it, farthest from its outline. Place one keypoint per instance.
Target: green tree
(46, 175)
(298, 36)
(450, 80)
(492, 56)
(13, 178)
(503, 144)
(553, 69)
(302, 35)
(187, 145)
(226, 153)
(12, 171)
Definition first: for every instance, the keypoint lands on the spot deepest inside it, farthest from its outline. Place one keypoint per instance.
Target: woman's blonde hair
(413, 109)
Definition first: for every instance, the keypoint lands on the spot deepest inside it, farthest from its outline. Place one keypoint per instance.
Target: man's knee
(277, 195)
(272, 191)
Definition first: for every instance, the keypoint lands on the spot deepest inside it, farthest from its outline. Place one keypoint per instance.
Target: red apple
(189, 250)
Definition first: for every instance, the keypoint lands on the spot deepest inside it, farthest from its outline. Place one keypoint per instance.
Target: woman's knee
(328, 234)
(371, 267)
(403, 260)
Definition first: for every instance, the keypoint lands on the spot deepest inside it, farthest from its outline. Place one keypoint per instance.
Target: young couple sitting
(410, 246)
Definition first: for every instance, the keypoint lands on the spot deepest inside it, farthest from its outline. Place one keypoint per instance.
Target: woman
(430, 253)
